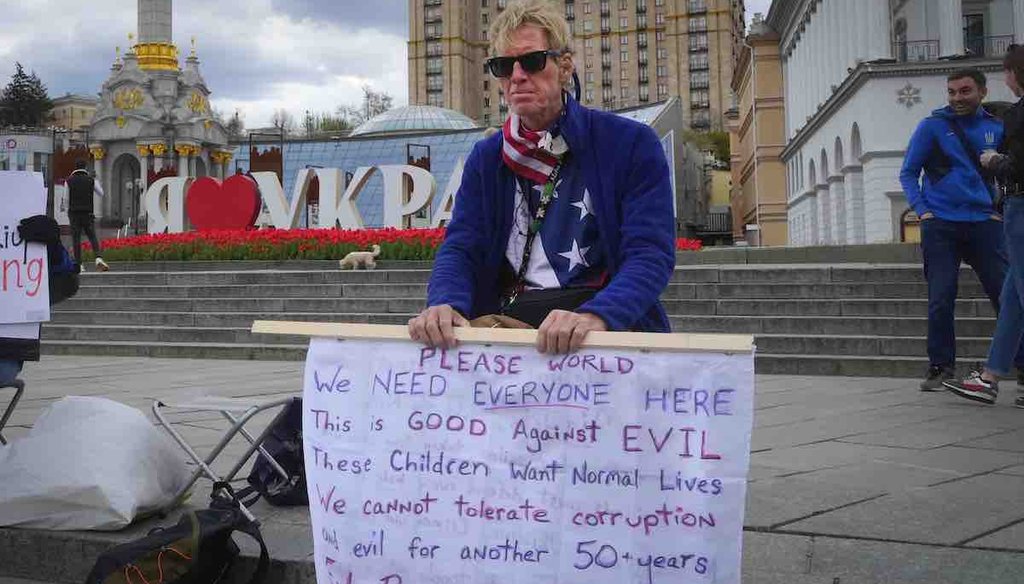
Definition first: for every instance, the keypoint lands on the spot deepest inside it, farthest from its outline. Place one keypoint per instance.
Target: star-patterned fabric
(567, 252)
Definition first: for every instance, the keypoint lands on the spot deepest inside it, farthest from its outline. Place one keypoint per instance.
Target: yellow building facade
(73, 112)
(757, 137)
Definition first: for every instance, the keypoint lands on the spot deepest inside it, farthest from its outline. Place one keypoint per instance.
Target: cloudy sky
(256, 55)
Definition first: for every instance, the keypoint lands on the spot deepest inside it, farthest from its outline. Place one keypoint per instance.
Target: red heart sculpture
(235, 204)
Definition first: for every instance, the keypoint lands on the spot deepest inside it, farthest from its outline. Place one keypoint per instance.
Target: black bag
(533, 306)
(63, 270)
(284, 443)
(197, 550)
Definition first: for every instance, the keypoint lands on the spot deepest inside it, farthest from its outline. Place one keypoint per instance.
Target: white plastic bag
(88, 463)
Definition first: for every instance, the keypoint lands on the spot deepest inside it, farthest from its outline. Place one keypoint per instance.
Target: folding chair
(238, 411)
(19, 388)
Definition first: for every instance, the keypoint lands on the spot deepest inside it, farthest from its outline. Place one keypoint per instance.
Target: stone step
(165, 334)
(256, 265)
(260, 290)
(855, 319)
(978, 327)
(970, 348)
(261, 351)
(193, 319)
(271, 288)
(818, 325)
(858, 307)
(844, 365)
(337, 305)
(255, 277)
(811, 274)
(369, 298)
(846, 345)
(878, 253)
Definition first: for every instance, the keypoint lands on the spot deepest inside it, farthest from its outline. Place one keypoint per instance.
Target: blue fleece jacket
(627, 175)
(952, 188)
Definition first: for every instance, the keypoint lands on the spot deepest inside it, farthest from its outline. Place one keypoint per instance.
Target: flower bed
(283, 244)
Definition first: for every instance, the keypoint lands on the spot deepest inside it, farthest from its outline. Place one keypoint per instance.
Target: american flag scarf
(522, 152)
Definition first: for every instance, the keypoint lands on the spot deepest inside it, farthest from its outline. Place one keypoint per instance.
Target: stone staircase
(808, 319)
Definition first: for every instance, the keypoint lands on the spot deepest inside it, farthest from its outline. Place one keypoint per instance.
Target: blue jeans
(944, 244)
(9, 370)
(1010, 324)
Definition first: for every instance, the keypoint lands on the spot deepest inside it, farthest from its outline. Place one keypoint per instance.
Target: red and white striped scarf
(522, 153)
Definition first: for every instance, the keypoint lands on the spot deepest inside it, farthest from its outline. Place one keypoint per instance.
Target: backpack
(197, 550)
(284, 443)
(63, 270)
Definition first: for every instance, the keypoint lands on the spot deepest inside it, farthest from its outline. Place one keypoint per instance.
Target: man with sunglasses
(564, 219)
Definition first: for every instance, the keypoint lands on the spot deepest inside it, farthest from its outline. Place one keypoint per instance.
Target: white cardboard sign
(493, 463)
(24, 277)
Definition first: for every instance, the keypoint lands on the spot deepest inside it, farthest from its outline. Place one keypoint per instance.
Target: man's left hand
(564, 331)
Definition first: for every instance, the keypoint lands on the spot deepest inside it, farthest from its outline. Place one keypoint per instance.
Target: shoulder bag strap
(972, 154)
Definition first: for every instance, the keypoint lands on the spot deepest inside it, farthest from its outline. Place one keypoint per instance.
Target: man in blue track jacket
(955, 201)
(563, 219)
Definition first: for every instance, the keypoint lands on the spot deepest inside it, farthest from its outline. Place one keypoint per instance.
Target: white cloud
(255, 57)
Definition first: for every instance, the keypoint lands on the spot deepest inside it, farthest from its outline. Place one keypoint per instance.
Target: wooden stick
(694, 342)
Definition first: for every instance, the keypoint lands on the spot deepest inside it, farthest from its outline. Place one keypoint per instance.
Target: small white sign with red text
(24, 278)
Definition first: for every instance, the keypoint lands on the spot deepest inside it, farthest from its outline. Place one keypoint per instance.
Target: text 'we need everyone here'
(482, 457)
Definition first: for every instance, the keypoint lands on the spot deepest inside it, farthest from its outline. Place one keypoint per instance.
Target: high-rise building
(627, 53)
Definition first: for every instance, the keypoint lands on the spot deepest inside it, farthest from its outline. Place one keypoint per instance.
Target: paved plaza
(852, 480)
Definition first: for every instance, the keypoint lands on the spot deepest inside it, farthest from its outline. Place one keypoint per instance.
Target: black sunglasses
(530, 62)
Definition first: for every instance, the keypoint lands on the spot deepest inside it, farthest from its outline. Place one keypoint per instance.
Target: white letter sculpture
(167, 213)
(282, 214)
(397, 202)
(443, 215)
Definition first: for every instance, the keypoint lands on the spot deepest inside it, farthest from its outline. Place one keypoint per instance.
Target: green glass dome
(414, 118)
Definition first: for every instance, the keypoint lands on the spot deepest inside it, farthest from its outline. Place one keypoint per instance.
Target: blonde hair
(541, 13)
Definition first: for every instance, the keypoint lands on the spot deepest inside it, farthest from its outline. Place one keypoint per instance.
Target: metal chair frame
(238, 412)
(19, 388)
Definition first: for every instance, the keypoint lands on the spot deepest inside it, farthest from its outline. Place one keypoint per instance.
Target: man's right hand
(435, 326)
(927, 216)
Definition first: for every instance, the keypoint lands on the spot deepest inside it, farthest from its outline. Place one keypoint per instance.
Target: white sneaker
(81, 269)
(102, 265)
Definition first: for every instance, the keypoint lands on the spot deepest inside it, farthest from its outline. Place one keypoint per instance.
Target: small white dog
(357, 259)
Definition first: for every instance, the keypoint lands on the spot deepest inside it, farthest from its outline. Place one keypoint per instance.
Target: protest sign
(24, 279)
(495, 463)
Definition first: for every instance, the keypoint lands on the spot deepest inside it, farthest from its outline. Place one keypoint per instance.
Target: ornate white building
(859, 76)
(153, 118)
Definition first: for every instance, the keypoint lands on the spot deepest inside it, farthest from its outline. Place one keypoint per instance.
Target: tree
(326, 123)
(717, 143)
(284, 121)
(235, 127)
(374, 103)
(24, 102)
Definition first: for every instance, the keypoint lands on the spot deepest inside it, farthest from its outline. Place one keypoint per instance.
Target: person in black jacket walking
(1007, 165)
(81, 188)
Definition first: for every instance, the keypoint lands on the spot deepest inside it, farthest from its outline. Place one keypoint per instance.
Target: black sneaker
(973, 387)
(1020, 380)
(1019, 402)
(936, 375)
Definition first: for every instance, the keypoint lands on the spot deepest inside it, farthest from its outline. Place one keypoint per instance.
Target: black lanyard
(546, 196)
